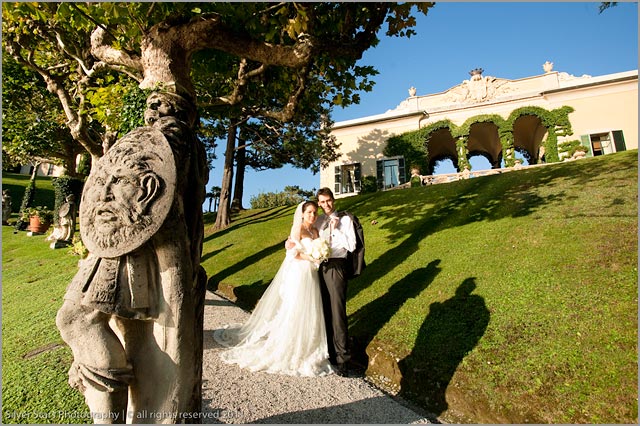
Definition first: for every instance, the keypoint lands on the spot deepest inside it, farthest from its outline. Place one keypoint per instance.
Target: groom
(339, 231)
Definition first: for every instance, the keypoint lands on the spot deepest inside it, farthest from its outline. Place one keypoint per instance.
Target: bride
(286, 331)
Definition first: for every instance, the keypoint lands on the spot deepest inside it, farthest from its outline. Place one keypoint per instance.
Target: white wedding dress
(286, 331)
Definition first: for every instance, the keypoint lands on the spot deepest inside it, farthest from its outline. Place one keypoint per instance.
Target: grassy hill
(509, 298)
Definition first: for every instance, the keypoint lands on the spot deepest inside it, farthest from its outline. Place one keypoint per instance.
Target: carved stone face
(119, 201)
(165, 104)
(158, 105)
(128, 194)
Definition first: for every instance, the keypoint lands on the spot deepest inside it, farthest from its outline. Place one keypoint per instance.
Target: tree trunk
(223, 218)
(238, 189)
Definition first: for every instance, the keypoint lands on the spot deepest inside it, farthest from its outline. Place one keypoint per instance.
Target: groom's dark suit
(333, 284)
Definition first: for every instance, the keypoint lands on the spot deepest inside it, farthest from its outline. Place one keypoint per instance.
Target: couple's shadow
(450, 330)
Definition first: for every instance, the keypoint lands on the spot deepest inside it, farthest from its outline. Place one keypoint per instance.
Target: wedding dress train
(286, 331)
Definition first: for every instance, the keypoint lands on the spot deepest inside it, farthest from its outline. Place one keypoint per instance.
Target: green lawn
(35, 360)
(509, 298)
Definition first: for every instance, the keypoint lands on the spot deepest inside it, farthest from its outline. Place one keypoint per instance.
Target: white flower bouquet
(320, 250)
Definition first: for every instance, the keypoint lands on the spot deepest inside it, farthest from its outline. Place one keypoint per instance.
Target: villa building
(488, 116)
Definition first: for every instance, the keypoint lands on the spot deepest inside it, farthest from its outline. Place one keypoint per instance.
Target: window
(390, 173)
(347, 179)
(604, 143)
(50, 170)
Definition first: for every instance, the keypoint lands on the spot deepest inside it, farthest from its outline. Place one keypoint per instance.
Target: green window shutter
(585, 140)
(338, 180)
(618, 140)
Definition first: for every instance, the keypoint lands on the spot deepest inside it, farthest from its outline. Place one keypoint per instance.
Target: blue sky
(507, 39)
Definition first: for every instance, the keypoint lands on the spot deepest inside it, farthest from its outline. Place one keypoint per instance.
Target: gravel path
(233, 395)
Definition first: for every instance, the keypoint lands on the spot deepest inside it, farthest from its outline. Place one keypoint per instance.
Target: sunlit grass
(543, 328)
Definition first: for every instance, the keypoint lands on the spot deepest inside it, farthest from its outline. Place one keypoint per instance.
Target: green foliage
(412, 146)
(369, 185)
(84, 165)
(570, 147)
(291, 196)
(33, 126)
(78, 248)
(27, 201)
(45, 214)
(463, 161)
(65, 186)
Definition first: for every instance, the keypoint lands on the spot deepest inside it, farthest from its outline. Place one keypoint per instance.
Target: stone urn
(579, 154)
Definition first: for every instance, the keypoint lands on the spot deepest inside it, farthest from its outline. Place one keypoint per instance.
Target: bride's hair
(297, 218)
(307, 204)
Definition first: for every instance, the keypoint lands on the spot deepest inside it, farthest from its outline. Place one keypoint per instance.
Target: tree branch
(208, 32)
(113, 57)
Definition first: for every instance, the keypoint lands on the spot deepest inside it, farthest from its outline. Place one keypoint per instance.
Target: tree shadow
(488, 198)
(365, 323)
(211, 254)
(216, 279)
(252, 219)
(449, 332)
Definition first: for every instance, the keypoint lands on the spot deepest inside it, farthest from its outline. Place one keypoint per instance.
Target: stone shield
(135, 178)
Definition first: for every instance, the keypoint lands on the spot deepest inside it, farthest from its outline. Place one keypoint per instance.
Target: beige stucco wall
(601, 104)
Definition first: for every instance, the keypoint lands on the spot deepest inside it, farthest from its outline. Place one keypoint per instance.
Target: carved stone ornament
(477, 89)
(128, 194)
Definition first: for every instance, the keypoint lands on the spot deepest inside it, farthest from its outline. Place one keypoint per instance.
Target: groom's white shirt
(343, 237)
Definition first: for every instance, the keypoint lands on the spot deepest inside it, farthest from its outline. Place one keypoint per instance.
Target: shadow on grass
(252, 219)
(253, 291)
(211, 254)
(450, 331)
(489, 198)
(365, 323)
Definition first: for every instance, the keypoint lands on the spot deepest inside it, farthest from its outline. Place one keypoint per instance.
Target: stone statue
(132, 315)
(541, 155)
(547, 67)
(6, 206)
(412, 91)
(62, 234)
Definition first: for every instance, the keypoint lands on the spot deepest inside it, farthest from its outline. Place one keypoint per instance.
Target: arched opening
(441, 146)
(484, 140)
(444, 165)
(528, 134)
(479, 161)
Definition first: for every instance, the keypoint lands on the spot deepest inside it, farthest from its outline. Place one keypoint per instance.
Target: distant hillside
(508, 298)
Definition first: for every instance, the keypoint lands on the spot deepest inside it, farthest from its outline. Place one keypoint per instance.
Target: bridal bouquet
(320, 250)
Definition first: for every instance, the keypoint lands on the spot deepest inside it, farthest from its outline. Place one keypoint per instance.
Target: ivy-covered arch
(433, 129)
(414, 145)
(464, 132)
(556, 122)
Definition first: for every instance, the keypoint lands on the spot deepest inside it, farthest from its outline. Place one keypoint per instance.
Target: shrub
(45, 214)
(570, 147)
(369, 185)
(65, 186)
(290, 196)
